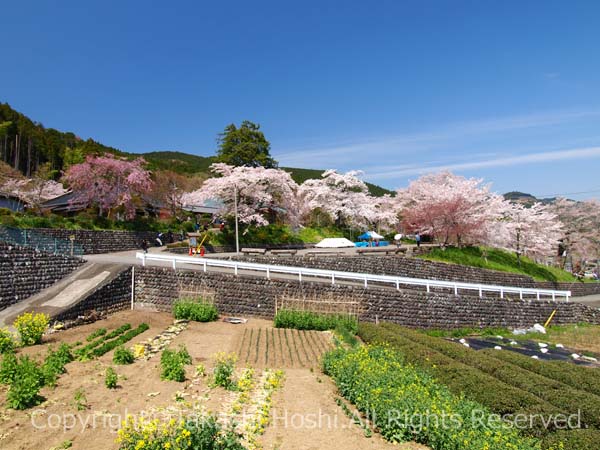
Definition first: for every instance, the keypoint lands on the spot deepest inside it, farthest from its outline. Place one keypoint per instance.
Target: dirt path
(306, 417)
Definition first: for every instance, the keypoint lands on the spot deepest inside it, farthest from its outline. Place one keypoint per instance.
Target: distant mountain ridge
(526, 199)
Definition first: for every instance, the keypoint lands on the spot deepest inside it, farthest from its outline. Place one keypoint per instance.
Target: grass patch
(496, 259)
(317, 234)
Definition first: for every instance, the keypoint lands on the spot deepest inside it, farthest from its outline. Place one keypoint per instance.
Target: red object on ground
(190, 252)
(202, 251)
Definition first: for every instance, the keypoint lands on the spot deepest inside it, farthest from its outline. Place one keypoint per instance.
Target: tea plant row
(494, 380)
(406, 403)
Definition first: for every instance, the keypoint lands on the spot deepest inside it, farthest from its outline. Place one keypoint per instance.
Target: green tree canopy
(245, 146)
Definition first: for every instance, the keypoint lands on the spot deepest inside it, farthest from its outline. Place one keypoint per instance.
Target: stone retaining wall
(105, 299)
(397, 266)
(577, 288)
(246, 296)
(420, 268)
(103, 241)
(25, 272)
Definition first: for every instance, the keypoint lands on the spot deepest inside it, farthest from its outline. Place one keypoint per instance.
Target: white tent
(375, 235)
(334, 243)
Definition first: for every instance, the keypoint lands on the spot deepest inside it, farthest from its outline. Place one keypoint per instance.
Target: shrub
(198, 310)
(7, 342)
(26, 384)
(173, 364)
(223, 370)
(379, 382)
(55, 362)
(583, 378)
(8, 368)
(123, 356)
(582, 438)
(31, 327)
(111, 378)
(308, 320)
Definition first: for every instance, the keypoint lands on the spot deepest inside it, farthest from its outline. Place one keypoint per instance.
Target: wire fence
(31, 238)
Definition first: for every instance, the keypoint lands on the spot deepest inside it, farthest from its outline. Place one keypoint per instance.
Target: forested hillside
(25, 145)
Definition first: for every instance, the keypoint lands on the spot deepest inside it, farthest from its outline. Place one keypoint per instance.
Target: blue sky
(507, 91)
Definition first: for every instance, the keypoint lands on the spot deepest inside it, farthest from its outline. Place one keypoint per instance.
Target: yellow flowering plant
(31, 327)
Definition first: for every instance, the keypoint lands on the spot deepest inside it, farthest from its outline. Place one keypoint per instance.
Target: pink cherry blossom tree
(109, 182)
(35, 190)
(450, 208)
(533, 230)
(345, 199)
(264, 195)
(581, 221)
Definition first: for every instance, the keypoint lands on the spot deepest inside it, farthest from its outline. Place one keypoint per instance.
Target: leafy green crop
(198, 310)
(173, 364)
(308, 320)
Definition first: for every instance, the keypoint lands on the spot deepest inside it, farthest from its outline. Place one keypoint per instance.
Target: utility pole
(237, 237)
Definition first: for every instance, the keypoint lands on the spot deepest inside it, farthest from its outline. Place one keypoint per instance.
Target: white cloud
(531, 158)
(391, 147)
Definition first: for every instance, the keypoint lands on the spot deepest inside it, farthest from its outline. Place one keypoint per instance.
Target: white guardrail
(333, 275)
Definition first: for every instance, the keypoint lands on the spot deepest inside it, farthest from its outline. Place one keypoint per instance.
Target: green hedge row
(570, 400)
(460, 378)
(582, 378)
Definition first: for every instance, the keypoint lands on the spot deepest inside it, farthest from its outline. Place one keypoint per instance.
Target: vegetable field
(282, 347)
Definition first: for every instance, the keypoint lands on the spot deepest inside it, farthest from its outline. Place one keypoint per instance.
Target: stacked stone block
(247, 296)
(94, 242)
(25, 272)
